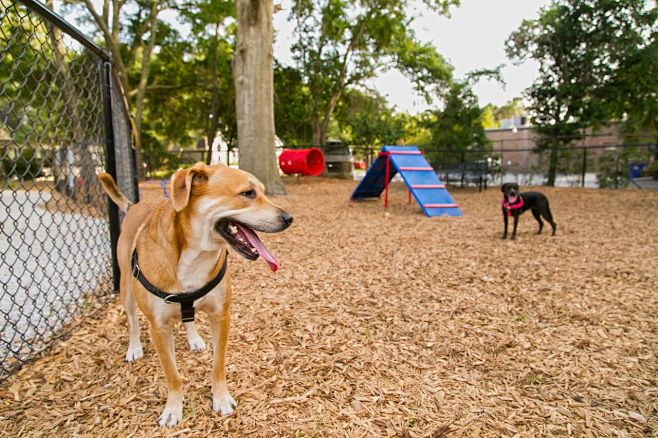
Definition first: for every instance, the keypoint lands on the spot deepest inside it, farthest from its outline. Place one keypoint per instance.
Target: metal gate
(61, 123)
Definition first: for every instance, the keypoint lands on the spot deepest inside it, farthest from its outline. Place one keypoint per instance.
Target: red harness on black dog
(512, 206)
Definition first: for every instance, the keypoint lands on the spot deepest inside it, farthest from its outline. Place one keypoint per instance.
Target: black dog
(516, 203)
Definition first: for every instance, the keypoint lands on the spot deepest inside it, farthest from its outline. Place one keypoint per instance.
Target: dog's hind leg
(537, 216)
(222, 401)
(549, 217)
(163, 341)
(194, 340)
(135, 350)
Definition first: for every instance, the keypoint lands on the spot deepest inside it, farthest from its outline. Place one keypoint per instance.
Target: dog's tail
(113, 192)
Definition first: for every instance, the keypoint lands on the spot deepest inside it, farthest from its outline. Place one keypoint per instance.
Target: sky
(473, 37)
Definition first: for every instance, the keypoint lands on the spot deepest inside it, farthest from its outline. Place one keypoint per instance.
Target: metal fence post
(133, 166)
(584, 166)
(110, 166)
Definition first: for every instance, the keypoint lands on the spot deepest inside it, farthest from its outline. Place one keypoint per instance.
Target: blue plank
(374, 182)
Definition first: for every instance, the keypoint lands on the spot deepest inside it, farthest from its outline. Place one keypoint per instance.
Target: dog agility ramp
(421, 179)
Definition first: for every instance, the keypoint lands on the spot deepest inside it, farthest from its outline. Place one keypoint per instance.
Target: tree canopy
(342, 44)
(593, 54)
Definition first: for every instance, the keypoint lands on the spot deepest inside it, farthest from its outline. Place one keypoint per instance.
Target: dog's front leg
(163, 341)
(506, 220)
(516, 222)
(222, 401)
(194, 340)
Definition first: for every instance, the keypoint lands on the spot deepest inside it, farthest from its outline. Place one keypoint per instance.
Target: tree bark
(655, 152)
(254, 87)
(145, 69)
(328, 110)
(214, 105)
(111, 26)
(552, 163)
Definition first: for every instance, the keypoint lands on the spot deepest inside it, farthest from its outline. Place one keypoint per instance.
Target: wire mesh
(55, 244)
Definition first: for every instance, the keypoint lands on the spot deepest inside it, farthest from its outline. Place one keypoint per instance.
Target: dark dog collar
(186, 299)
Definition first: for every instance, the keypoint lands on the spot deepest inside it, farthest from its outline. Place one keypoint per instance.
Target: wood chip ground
(392, 324)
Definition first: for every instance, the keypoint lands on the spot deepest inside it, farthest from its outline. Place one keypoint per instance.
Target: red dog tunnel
(302, 161)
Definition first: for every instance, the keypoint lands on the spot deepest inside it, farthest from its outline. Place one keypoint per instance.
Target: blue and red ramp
(421, 179)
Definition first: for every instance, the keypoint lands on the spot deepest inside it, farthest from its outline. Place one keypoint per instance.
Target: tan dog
(181, 246)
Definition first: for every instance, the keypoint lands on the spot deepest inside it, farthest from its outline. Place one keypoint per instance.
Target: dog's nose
(286, 218)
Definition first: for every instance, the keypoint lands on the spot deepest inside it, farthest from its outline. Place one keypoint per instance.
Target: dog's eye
(249, 193)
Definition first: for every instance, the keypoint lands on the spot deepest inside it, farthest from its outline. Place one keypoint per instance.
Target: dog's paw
(224, 404)
(134, 353)
(196, 343)
(172, 415)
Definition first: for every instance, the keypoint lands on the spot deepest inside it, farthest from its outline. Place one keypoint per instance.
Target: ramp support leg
(388, 169)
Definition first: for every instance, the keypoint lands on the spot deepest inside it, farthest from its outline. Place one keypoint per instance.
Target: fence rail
(61, 123)
(592, 165)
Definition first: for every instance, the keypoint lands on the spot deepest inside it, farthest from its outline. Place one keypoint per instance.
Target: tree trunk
(552, 163)
(328, 110)
(655, 152)
(214, 105)
(254, 89)
(144, 74)
(315, 126)
(110, 24)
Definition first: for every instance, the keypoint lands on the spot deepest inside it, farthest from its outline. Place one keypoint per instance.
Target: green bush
(611, 172)
(613, 166)
(24, 167)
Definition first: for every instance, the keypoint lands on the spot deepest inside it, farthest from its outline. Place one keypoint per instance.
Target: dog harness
(515, 206)
(186, 299)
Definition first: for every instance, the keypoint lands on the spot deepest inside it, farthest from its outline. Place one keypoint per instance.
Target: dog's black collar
(186, 299)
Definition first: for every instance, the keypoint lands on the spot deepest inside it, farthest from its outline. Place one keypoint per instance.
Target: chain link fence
(61, 123)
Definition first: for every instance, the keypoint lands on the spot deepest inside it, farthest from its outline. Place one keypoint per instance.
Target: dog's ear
(184, 181)
(503, 187)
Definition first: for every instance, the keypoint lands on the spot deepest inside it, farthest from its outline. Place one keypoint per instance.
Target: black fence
(61, 123)
(592, 165)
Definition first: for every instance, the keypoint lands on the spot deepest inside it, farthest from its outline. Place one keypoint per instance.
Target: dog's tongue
(512, 199)
(262, 250)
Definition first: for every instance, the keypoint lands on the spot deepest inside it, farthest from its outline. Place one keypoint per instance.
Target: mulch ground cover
(387, 323)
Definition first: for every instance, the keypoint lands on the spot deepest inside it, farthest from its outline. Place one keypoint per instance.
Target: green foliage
(592, 56)
(612, 174)
(614, 165)
(155, 155)
(366, 119)
(458, 126)
(416, 131)
(292, 109)
(25, 167)
(191, 84)
(342, 44)
(493, 115)
(489, 120)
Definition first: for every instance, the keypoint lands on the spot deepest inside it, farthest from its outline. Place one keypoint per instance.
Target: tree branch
(99, 20)
(143, 79)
